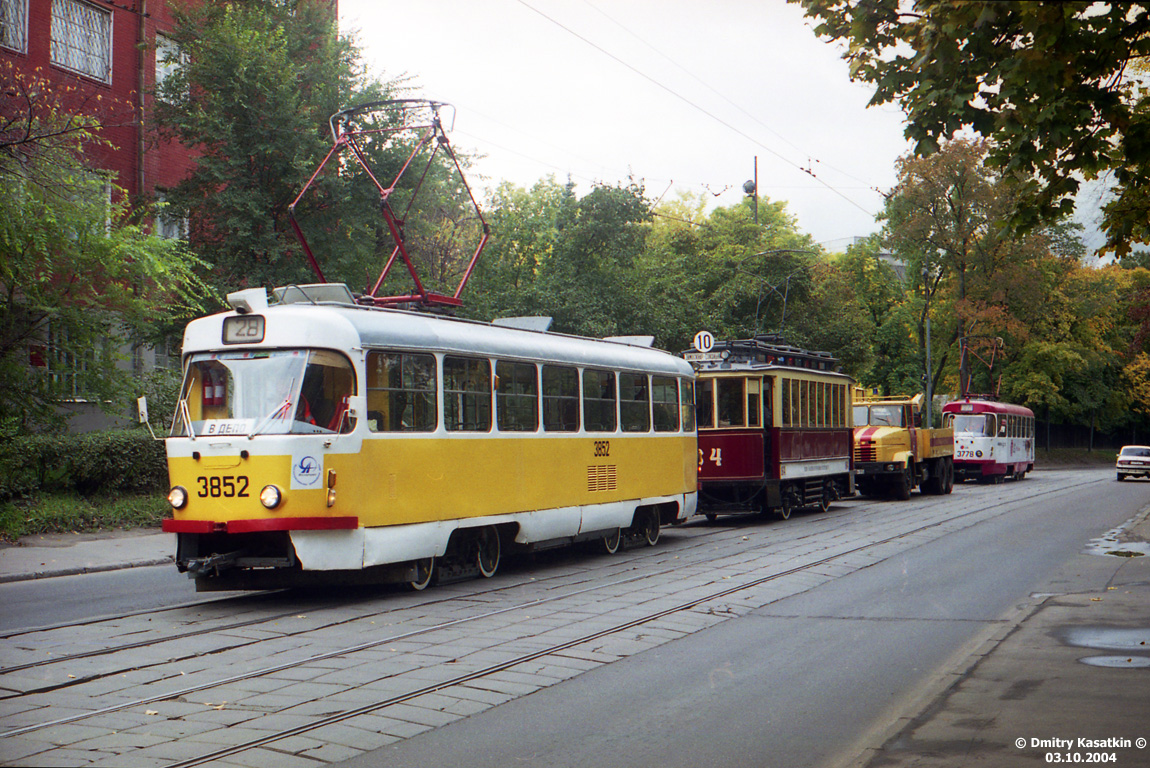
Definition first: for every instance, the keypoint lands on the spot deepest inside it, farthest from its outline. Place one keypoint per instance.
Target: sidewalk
(68, 554)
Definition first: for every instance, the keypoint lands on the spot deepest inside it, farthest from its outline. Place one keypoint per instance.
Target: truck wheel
(934, 483)
(903, 485)
(948, 474)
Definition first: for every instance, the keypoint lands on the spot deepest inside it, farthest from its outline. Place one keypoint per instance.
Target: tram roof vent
(638, 341)
(528, 323)
(316, 293)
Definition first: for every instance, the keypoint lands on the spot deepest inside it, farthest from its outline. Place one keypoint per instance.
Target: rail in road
(324, 678)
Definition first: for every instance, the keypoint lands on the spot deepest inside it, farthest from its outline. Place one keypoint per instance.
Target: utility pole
(927, 422)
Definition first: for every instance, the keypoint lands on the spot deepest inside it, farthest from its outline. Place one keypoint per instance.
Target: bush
(97, 463)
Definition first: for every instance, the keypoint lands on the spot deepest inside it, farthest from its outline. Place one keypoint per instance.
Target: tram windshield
(878, 416)
(975, 424)
(271, 393)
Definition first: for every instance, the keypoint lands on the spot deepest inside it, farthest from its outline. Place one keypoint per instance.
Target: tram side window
(768, 402)
(599, 401)
(732, 403)
(634, 402)
(517, 398)
(754, 402)
(665, 403)
(466, 394)
(560, 399)
(400, 392)
(705, 403)
(687, 398)
(785, 406)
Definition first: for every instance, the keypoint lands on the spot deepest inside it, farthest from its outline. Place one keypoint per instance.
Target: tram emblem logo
(305, 471)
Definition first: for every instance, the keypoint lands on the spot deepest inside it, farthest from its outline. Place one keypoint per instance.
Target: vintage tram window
(768, 396)
(634, 402)
(665, 403)
(754, 402)
(466, 394)
(560, 399)
(599, 401)
(517, 399)
(732, 402)
(785, 405)
(687, 398)
(401, 392)
(705, 403)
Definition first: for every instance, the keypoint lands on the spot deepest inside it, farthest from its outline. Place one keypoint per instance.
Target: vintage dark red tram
(774, 427)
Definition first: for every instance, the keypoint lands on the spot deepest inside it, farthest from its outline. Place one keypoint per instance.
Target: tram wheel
(424, 574)
(786, 505)
(650, 527)
(825, 499)
(487, 551)
(612, 541)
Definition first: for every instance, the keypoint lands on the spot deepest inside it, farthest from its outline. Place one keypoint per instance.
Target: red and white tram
(992, 440)
(774, 427)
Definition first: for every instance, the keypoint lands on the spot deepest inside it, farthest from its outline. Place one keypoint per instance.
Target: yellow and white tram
(316, 437)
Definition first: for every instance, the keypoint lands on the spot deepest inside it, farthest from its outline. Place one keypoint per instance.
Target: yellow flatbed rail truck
(894, 453)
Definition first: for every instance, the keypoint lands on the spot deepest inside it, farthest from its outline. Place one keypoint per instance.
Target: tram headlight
(270, 496)
(178, 497)
(331, 497)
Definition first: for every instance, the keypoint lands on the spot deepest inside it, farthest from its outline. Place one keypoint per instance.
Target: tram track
(979, 509)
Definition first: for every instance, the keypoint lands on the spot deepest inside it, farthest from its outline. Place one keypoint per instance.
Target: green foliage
(1051, 84)
(105, 463)
(77, 271)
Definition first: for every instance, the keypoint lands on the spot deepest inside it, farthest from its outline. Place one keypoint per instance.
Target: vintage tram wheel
(424, 574)
(611, 541)
(827, 495)
(487, 551)
(786, 505)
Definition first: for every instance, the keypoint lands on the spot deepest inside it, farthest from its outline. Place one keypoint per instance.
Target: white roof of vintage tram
(330, 319)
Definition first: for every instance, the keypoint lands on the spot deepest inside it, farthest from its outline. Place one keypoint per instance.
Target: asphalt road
(804, 681)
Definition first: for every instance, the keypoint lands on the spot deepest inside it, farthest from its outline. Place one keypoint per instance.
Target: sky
(682, 95)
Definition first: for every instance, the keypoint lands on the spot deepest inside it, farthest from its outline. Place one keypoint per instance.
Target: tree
(1050, 84)
(77, 273)
(255, 86)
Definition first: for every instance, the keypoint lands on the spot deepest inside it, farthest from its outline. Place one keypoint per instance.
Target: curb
(8, 578)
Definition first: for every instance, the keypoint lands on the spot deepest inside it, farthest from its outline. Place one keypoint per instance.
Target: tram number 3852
(226, 487)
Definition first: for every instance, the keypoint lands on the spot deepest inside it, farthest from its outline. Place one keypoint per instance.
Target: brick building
(107, 49)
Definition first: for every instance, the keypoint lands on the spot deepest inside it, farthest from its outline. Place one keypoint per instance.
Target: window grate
(82, 39)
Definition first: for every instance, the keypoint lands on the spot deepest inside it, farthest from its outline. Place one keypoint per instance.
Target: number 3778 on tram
(319, 437)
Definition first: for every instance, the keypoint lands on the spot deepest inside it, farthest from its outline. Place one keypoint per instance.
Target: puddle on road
(1117, 543)
(1135, 640)
(1108, 638)
(1118, 662)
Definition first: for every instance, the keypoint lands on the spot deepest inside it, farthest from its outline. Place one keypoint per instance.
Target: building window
(14, 24)
(82, 39)
(168, 226)
(169, 58)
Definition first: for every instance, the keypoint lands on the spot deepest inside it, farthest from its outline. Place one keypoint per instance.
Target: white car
(1134, 461)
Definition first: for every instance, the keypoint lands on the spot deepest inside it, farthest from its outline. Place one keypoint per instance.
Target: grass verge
(67, 513)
